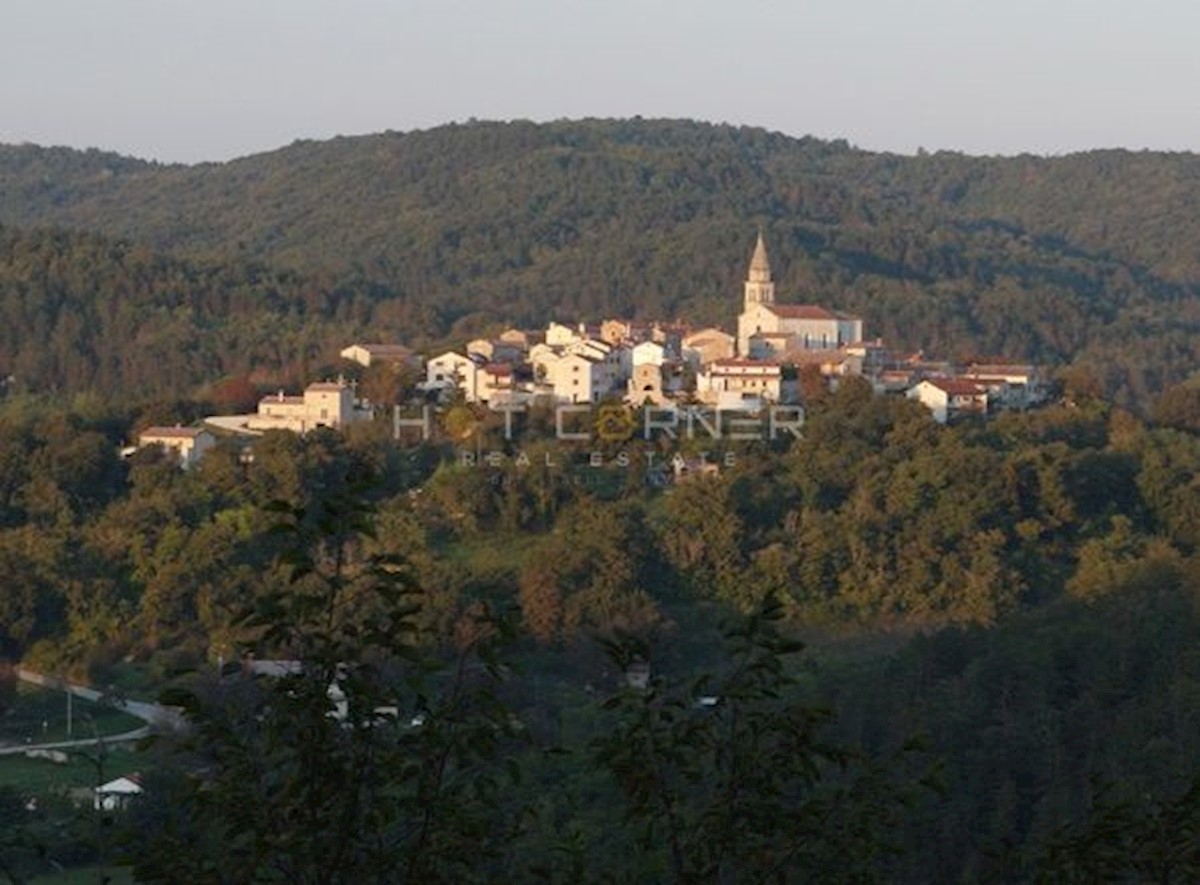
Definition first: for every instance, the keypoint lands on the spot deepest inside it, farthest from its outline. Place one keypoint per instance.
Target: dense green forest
(1092, 258)
(80, 314)
(1018, 597)
(999, 682)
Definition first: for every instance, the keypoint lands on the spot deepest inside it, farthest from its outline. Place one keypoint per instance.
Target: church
(767, 330)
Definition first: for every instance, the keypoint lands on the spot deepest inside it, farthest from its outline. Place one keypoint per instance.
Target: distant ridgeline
(431, 236)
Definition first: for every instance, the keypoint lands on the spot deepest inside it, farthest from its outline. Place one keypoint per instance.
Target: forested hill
(83, 313)
(1092, 257)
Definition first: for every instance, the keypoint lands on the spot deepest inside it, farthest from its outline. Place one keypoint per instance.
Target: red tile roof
(956, 386)
(800, 311)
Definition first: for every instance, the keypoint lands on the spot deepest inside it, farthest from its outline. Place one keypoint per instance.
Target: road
(154, 715)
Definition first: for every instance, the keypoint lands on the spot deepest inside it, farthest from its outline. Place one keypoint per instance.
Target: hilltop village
(780, 355)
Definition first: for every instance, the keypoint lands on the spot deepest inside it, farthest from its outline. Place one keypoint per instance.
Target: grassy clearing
(492, 555)
(39, 715)
(41, 777)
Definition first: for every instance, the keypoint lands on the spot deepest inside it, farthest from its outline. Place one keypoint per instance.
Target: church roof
(801, 311)
(760, 261)
(807, 312)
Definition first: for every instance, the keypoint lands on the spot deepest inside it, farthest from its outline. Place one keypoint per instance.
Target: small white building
(649, 352)
(117, 794)
(187, 443)
(647, 385)
(743, 384)
(372, 354)
(949, 398)
(771, 345)
(447, 371)
(493, 382)
(323, 404)
(558, 335)
(1011, 385)
(576, 378)
(707, 346)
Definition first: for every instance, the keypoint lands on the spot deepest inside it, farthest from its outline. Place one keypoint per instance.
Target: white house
(576, 378)
(646, 385)
(447, 371)
(558, 335)
(771, 345)
(493, 382)
(187, 443)
(1015, 386)
(708, 345)
(743, 384)
(323, 404)
(948, 398)
(649, 352)
(371, 354)
(118, 793)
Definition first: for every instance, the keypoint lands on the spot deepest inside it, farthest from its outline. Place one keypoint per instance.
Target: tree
(1179, 407)
(8, 685)
(366, 761)
(728, 778)
(386, 384)
(587, 577)
(1121, 839)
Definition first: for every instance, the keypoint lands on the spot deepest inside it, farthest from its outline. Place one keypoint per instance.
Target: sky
(190, 81)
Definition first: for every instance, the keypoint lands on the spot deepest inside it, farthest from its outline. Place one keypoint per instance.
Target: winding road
(156, 716)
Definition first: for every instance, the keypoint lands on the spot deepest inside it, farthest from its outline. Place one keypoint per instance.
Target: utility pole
(70, 708)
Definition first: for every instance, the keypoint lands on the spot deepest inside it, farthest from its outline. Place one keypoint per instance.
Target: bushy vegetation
(1002, 615)
(1046, 561)
(1088, 259)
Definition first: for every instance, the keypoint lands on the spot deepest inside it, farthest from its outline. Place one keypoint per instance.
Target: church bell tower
(759, 288)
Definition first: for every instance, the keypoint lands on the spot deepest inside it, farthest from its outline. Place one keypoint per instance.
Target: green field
(40, 777)
(39, 716)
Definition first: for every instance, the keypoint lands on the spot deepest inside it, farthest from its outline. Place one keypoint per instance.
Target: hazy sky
(188, 81)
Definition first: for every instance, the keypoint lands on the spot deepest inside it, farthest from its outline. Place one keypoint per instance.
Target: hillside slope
(83, 313)
(1093, 257)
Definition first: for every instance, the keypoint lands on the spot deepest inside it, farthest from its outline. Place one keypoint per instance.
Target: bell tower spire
(759, 287)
